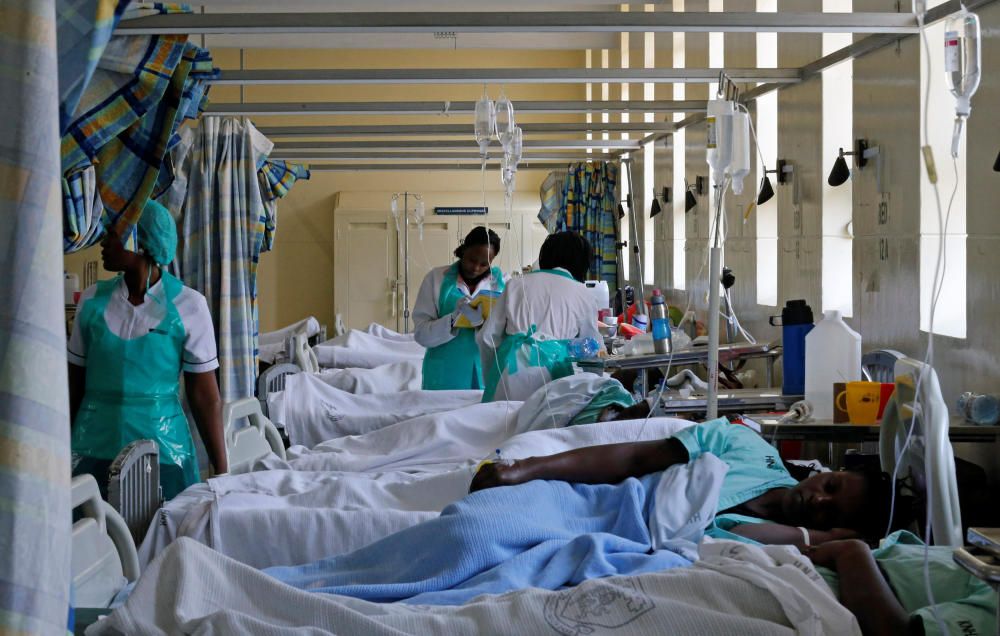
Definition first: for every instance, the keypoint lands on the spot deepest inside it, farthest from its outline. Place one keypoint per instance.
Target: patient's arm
(779, 534)
(607, 464)
(863, 590)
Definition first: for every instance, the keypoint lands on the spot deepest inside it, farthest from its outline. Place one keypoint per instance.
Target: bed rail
(134, 486)
(103, 550)
(273, 380)
(246, 445)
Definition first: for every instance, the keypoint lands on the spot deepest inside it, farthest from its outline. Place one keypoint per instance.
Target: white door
(365, 259)
(434, 249)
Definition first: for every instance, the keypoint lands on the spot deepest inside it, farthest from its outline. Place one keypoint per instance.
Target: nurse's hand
(473, 314)
(493, 474)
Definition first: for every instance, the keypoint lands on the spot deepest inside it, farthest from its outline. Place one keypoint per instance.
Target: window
(838, 203)
(767, 140)
(679, 169)
(950, 313)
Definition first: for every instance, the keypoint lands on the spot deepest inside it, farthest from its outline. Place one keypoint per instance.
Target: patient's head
(855, 499)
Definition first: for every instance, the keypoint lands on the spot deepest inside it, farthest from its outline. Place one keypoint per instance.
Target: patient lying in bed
(602, 510)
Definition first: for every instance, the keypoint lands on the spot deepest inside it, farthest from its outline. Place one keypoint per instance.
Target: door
(435, 248)
(365, 288)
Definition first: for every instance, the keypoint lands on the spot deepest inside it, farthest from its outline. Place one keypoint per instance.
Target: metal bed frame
(273, 379)
(134, 486)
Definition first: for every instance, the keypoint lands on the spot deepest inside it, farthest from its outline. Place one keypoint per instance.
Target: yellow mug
(861, 401)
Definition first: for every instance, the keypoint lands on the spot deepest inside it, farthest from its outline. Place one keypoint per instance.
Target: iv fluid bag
(962, 58)
(516, 146)
(505, 121)
(485, 123)
(739, 166)
(719, 147)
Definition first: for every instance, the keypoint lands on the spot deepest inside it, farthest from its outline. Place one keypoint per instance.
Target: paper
(484, 299)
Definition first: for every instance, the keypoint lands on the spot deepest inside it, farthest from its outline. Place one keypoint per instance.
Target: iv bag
(962, 58)
(739, 167)
(504, 121)
(485, 123)
(418, 217)
(719, 146)
(395, 212)
(516, 146)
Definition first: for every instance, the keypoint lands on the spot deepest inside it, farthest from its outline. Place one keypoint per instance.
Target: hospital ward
(540, 318)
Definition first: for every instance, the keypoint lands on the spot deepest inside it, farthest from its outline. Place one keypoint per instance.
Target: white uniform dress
(128, 321)
(554, 306)
(430, 328)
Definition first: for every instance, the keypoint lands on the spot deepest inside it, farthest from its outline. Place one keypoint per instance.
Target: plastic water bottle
(983, 410)
(661, 323)
(582, 348)
(796, 323)
(833, 354)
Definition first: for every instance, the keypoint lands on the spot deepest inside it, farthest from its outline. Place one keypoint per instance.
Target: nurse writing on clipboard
(448, 311)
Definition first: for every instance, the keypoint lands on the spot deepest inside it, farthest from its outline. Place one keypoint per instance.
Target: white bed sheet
(733, 589)
(282, 517)
(359, 349)
(311, 411)
(388, 378)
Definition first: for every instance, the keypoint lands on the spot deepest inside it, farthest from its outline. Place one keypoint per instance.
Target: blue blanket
(544, 534)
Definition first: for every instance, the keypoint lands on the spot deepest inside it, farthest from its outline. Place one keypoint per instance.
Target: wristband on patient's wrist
(805, 536)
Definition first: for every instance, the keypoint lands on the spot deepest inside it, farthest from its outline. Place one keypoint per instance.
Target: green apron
(455, 365)
(550, 354)
(133, 389)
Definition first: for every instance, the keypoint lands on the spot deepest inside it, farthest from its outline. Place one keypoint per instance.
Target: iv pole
(406, 257)
(633, 232)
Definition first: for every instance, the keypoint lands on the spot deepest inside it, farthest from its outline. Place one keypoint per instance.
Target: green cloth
(133, 389)
(157, 233)
(455, 365)
(965, 604)
(612, 394)
(754, 468)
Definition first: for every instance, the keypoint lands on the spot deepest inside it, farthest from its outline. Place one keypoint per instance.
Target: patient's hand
(828, 554)
(494, 474)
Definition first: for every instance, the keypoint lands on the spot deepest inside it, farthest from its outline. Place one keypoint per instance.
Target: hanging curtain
(589, 201)
(221, 194)
(276, 179)
(128, 118)
(34, 405)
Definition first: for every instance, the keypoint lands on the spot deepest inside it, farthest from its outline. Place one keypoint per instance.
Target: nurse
(524, 343)
(132, 338)
(452, 358)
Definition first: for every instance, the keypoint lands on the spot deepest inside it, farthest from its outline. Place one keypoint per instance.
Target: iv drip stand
(633, 232)
(714, 271)
(406, 259)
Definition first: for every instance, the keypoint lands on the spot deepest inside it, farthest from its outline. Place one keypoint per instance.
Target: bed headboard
(244, 446)
(929, 461)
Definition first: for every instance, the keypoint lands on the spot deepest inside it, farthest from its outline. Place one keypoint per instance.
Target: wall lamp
(840, 173)
(655, 207)
(690, 202)
(782, 171)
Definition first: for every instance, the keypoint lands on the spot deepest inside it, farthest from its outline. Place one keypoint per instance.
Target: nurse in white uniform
(133, 337)
(452, 358)
(524, 343)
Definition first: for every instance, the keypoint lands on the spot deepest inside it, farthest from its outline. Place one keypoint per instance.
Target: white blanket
(385, 333)
(281, 517)
(311, 411)
(388, 378)
(358, 349)
(732, 590)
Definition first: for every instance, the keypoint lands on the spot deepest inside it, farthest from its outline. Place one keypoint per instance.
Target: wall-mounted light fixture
(996, 164)
(655, 207)
(782, 171)
(862, 152)
(690, 202)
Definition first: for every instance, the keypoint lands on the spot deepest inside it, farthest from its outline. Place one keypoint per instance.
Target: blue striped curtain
(589, 202)
(224, 217)
(125, 121)
(34, 405)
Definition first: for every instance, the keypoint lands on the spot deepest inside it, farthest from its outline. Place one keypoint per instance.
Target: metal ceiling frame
(527, 164)
(503, 76)
(518, 22)
(376, 155)
(439, 130)
(530, 145)
(554, 107)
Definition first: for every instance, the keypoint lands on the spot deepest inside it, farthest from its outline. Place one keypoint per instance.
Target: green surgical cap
(157, 233)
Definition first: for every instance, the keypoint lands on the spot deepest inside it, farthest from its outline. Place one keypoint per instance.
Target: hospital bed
(104, 555)
(272, 380)
(244, 446)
